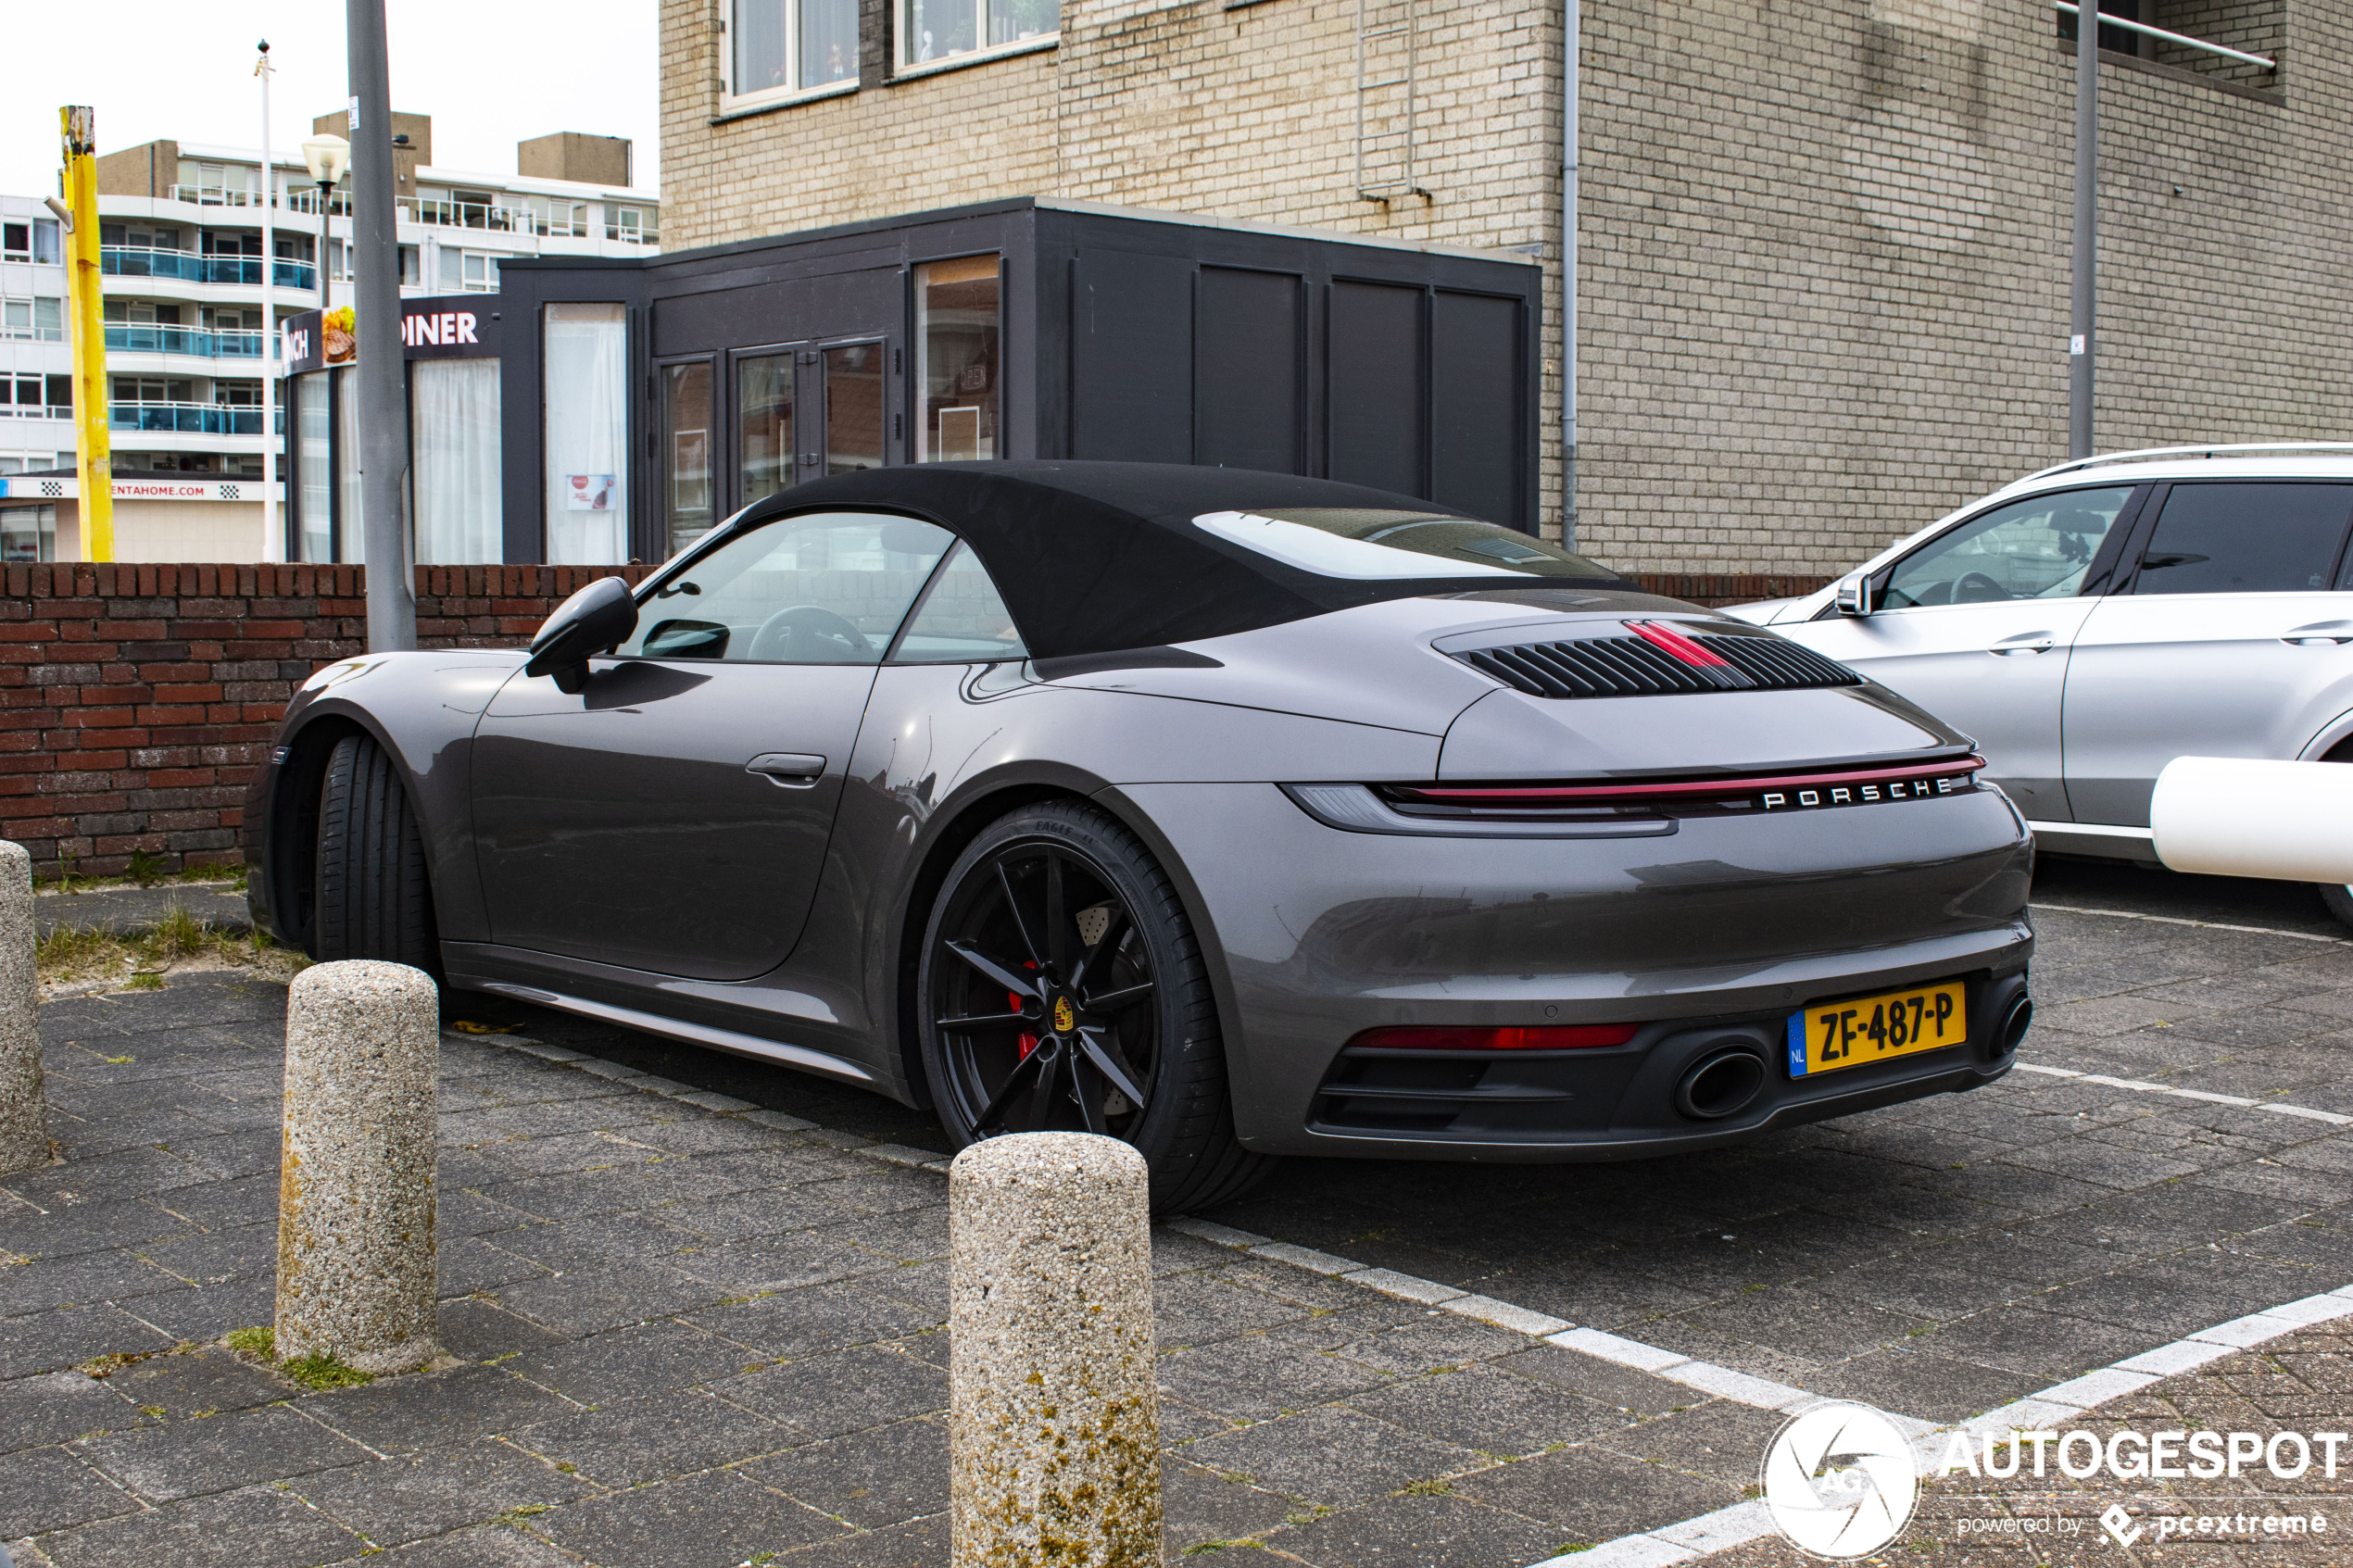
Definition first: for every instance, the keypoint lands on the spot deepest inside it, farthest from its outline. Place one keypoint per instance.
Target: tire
(998, 921)
(373, 898)
(2338, 898)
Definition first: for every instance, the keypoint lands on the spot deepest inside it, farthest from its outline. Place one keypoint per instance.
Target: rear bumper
(1708, 938)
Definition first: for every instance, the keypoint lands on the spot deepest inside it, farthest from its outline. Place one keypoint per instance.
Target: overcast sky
(490, 72)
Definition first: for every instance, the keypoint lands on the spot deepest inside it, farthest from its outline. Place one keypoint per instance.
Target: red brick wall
(134, 700)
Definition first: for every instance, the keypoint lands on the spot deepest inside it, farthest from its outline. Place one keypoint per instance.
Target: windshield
(1365, 544)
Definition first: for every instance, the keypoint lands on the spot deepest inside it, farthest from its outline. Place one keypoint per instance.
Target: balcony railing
(190, 418)
(32, 334)
(140, 261)
(36, 411)
(196, 341)
(464, 215)
(295, 199)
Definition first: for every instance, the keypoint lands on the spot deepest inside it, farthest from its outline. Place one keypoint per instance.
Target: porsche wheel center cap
(1065, 1017)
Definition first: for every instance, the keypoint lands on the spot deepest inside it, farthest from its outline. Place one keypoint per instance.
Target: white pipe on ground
(2236, 816)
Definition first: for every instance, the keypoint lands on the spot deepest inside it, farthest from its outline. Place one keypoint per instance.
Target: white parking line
(2201, 924)
(2333, 1118)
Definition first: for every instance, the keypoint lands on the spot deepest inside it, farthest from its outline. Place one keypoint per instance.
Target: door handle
(788, 770)
(2023, 645)
(2318, 635)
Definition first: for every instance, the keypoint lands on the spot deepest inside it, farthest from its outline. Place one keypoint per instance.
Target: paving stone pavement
(695, 1332)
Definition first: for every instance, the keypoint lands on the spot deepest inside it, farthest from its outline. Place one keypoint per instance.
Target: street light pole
(2083, 340)
(383, 396)
(273, 538)
(327, 156)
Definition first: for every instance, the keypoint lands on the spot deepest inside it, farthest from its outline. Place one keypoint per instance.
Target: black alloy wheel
(1062, 990)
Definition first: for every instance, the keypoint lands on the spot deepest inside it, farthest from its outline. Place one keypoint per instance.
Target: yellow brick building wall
(1823, 273)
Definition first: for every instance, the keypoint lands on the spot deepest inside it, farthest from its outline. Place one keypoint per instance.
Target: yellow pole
(86, 303)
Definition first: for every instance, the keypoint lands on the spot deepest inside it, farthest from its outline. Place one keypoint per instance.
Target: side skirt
(800, 1057)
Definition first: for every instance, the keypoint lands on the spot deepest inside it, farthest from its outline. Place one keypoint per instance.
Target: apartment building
(36, 381)
(189, 345)
(1821, 250)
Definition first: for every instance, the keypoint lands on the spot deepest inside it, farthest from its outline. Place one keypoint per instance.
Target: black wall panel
(1376, 387)
(1132, 356)
(1247, 370)
(1476, 404)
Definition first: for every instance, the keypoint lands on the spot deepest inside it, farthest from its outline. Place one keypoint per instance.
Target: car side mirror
(592, 620)
(1855, 596)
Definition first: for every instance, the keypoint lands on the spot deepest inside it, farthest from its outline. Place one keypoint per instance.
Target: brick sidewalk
(691, 1333)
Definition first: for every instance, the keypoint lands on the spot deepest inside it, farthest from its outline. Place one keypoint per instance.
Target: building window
(38, 321)
(956, 337)
(28, 534)
(314, 487)
(685, 444)
(766, 449)
(584, 370)
(16, 242)
(780, 47)
(454, 462)
(468, 271)
(933, 31)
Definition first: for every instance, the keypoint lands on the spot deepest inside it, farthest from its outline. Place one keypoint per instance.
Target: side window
(964, 618)
(2036, 549)
(2246, 539)
(824, 588)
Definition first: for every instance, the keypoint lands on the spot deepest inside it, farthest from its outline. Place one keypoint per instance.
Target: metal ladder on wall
(1388, 62)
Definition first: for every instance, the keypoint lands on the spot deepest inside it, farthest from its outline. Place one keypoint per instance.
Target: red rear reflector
(1528, 1037)
(1674, 641)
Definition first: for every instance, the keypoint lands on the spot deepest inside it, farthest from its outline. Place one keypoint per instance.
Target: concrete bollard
(356, 1273)
(24, 1134)
(1054, 1418)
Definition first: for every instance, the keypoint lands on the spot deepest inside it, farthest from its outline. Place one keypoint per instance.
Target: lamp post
(328, 157)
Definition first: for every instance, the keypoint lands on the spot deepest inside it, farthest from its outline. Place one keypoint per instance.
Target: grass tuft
(324, 1372)
(71, 954)
(259, 1341)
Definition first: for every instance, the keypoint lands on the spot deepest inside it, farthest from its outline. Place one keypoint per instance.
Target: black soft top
(1094, 558)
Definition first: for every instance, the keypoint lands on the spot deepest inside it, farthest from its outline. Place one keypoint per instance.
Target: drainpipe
(1570, 30)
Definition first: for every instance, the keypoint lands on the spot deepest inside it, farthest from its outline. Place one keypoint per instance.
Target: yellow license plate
(1831, 1036)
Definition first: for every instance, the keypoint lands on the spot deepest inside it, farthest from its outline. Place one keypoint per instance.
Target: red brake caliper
(1028, 1042)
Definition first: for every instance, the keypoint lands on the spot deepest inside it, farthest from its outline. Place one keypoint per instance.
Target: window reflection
(936, 29)
(956, 342)
(686, 422)
(826, 588)
(853, 408)
(764, 439)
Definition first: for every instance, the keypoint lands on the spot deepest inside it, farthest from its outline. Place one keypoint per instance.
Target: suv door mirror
(1854, 597)
(592, 620)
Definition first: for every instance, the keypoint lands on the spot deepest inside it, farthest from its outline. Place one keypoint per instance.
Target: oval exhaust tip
(1723, 1084)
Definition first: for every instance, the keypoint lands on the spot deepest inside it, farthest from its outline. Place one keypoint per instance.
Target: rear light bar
(1508, 1037)
(1661, 636)
(1825, 786)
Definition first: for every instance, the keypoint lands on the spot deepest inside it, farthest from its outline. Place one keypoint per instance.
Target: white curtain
(314, 494)
(585, 369)
(453, 446)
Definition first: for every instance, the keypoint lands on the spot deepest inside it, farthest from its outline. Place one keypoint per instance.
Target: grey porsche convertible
(1232, 814)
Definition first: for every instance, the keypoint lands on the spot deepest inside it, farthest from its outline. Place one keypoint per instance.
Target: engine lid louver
(1658, 661)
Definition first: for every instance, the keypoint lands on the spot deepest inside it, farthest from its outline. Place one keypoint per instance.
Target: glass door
(767, 437)
(851, 375)
(686, 454)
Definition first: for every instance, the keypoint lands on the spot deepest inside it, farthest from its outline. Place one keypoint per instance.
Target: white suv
(2091, 622)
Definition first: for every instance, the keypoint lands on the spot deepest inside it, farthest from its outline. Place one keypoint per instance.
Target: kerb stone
(356, 1274)
(1054, 1417)
(24, 1137)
